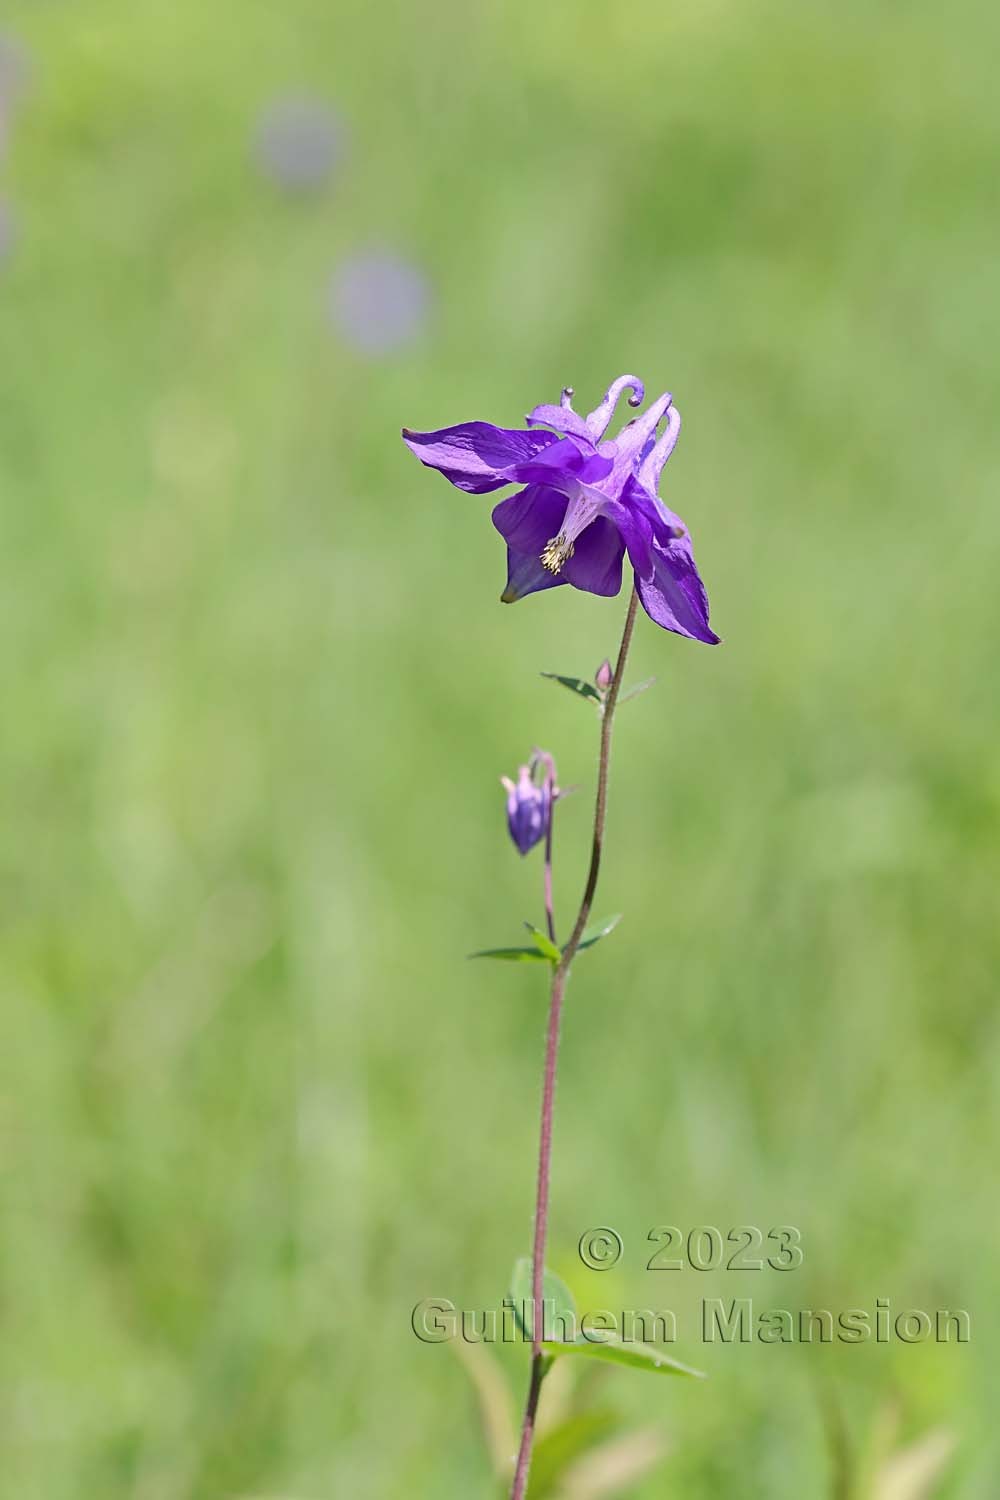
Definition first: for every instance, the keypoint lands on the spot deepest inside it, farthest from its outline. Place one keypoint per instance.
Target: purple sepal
(476, 456)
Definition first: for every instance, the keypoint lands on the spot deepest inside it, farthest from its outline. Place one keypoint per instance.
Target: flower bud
(528, 808)
(604, 677)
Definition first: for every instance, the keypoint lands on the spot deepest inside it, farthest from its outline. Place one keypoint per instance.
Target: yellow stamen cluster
(556, 553)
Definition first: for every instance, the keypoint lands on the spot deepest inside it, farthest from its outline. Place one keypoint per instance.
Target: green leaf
(544, 944)
(640, 687)
(576, 685)
(597, 930)
(637, 1356)
(555, 1293)
(559, 1447)
(513, 955)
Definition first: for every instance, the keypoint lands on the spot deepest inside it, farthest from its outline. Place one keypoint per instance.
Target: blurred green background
(257, 692)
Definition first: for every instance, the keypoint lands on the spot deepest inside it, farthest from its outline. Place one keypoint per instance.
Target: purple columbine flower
(585, 502)
(528, 804)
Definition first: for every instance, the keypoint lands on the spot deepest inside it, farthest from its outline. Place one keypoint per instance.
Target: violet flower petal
(636, 531)
(562, 418)
(596, 563)
(564, 458)
(530, 519)
(476, 456)
(526, 521)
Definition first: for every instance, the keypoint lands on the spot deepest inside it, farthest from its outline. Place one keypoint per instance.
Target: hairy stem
(559, 978)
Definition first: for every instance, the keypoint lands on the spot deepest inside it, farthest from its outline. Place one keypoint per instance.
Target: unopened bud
(604, 676)
(528, 806)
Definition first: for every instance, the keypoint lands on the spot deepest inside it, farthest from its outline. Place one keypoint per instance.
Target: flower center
(584, 506)
(556, 553)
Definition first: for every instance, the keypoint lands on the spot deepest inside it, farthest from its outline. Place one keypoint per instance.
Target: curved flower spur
(585, 502)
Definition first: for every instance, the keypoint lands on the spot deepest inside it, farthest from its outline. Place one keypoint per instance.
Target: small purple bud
(604, 676)
(527, 808)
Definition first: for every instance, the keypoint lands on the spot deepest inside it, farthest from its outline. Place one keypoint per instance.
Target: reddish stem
(558, 991)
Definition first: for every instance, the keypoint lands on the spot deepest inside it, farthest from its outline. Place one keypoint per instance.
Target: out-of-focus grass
(257, 691)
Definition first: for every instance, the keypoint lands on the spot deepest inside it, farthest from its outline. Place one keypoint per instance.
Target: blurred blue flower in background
(299, 142)
(14, 69)
(7, 231)
(378, 301)
(14, 72)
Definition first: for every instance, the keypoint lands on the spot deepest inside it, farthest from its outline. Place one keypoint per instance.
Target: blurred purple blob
(379, 301)
(14, 74)
(299, 142)
(15, 71)
(7, 232)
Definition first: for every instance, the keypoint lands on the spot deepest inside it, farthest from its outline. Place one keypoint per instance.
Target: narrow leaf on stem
(598, 930)
(546, 947)
(640, 687)
(614, 1351)
(575, 685)
(513, 955)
